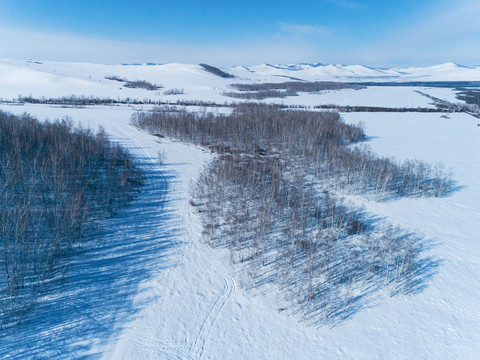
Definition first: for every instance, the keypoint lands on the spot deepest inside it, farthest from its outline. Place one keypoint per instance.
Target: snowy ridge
(326, 72)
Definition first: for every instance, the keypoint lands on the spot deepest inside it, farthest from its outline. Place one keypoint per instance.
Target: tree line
(216, 71)
(262, 91)
(135, 84)
(84, 100)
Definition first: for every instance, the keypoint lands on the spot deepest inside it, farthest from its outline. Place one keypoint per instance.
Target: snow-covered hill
(325, 72)
(54, 79)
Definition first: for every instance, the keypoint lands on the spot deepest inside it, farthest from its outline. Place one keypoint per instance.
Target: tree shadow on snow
(92, 293)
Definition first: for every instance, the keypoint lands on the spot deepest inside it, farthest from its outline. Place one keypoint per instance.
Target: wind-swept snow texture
(149, 288)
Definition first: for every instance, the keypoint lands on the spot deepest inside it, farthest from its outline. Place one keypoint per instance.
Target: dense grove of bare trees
(315, 139)
(174, 92)
(262, 91)
(260, 94)
(216, 71)
(269, 197)
(115, 78)
(470, 96)
(134, 84)
(298, 86)
(329, 259)
(56, 182)
(142, 84)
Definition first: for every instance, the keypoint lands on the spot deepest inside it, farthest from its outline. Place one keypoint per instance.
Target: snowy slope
(54, 79)
(315, 72)
(151, 290)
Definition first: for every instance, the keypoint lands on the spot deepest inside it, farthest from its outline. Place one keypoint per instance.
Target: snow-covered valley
(149, 288)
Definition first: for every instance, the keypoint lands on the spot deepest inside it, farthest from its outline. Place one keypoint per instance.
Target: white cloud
(305, 29)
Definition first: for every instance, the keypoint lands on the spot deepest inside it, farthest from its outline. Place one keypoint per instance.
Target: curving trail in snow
(196, 351)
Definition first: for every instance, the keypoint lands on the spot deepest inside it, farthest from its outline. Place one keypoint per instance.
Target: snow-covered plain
(382, 96)
(149, 288)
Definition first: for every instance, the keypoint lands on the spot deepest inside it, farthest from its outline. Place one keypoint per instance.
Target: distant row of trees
(174, 92)
(260, 94)
(260, 91)
(470, 96)
(142, 84)
(363, 108)
(268, 197)
(84, 100)
(135, 84)
(472, 99)
(216, 71)
(56, 182)
(298, 86)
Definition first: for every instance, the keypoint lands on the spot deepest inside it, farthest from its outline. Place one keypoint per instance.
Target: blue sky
(375, 33)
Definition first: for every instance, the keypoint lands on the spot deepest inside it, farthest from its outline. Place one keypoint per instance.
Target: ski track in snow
(180, 349)
(201, 340)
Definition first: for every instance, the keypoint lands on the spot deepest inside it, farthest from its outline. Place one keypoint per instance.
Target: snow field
(168, 296)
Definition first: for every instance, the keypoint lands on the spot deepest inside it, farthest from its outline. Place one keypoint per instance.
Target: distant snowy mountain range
(318, 72)
(194, 82)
